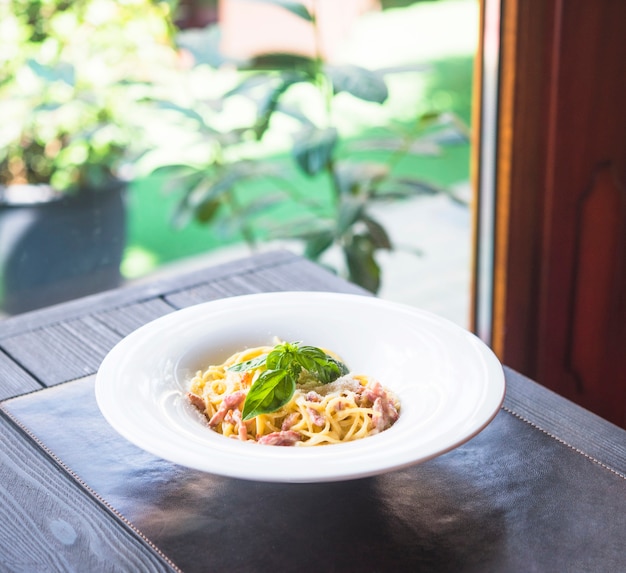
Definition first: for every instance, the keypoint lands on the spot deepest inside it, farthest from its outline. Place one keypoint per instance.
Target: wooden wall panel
(585, 193)
(560, 241)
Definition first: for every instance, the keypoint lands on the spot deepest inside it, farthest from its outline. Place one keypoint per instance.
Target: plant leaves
(419, 147)
(241, 218)
(201, 200)
(284, 62)
(207, 211)
(250, 83)
(310, 357)
(185, 111)
(357, 178)
(313, 149)
(412, 187)
(325, 368)
(359, 82)
(318, 244)
(363, 269)
(350, 211)
(203, 44)
(450, 135)
(275, 359)
(269, 392)
(377, 233)
(269, 104)
(296, 8)
(174, 174)
(251, 364)
(184, 184)
(328, 373)
(275, 386)
(62, 72)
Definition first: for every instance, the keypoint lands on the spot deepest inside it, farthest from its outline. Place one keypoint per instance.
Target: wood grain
(296, 274)
(126, 318)
(49, 523)
(63, 351)
(559, 307)
(14, 380)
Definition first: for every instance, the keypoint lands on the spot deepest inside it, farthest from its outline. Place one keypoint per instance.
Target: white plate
(450, 384)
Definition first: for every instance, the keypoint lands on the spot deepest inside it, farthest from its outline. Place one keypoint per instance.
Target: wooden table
(542, 488)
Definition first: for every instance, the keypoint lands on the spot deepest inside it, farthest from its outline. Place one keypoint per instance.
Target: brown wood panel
(595, 293)
(584, 223)
(526, 32)
(559, 280)
(50, 523)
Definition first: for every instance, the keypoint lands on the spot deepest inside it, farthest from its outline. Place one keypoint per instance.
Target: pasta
(351, 407)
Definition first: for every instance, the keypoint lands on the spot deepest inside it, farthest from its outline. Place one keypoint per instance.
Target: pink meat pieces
(230, 402)
(317, 418)
(242, 430)
(289, 421)
(197, 401)
(282, 438)
(385, 413)
(313, 396)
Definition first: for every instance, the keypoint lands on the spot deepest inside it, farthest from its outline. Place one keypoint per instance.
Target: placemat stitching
(565, 443)
(76, 478)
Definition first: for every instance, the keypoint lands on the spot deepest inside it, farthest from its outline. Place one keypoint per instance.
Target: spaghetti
(351, 407)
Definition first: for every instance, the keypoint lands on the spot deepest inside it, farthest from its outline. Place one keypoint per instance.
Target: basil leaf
(249, 364)
(330, 370)
(270, 392)
(324, 367)
(286, 361)
(312, 359)
(276, 384)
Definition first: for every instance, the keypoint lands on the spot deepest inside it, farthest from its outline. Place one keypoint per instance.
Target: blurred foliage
(71, 74)
(262, 149)
(304, 98)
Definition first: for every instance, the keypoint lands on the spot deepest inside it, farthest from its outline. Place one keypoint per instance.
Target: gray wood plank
(295, 274)
(68, 350)
(14, 380)
(50, 523)
(137, 292)
(63, 351)
(125, 319)
(303, 274)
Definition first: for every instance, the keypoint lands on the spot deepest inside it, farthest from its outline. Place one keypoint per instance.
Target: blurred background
(141, 138)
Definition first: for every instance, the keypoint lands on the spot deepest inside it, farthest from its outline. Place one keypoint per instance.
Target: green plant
(71, 76)
(223, 184)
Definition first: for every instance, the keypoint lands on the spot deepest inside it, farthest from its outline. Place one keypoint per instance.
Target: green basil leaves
(282, 367)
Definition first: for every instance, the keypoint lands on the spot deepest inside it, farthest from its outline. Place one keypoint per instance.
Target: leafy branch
(220, 188)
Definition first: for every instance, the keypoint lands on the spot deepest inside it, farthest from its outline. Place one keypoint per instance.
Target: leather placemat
(511, 499)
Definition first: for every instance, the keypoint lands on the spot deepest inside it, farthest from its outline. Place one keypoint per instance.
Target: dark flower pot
(55, 247)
